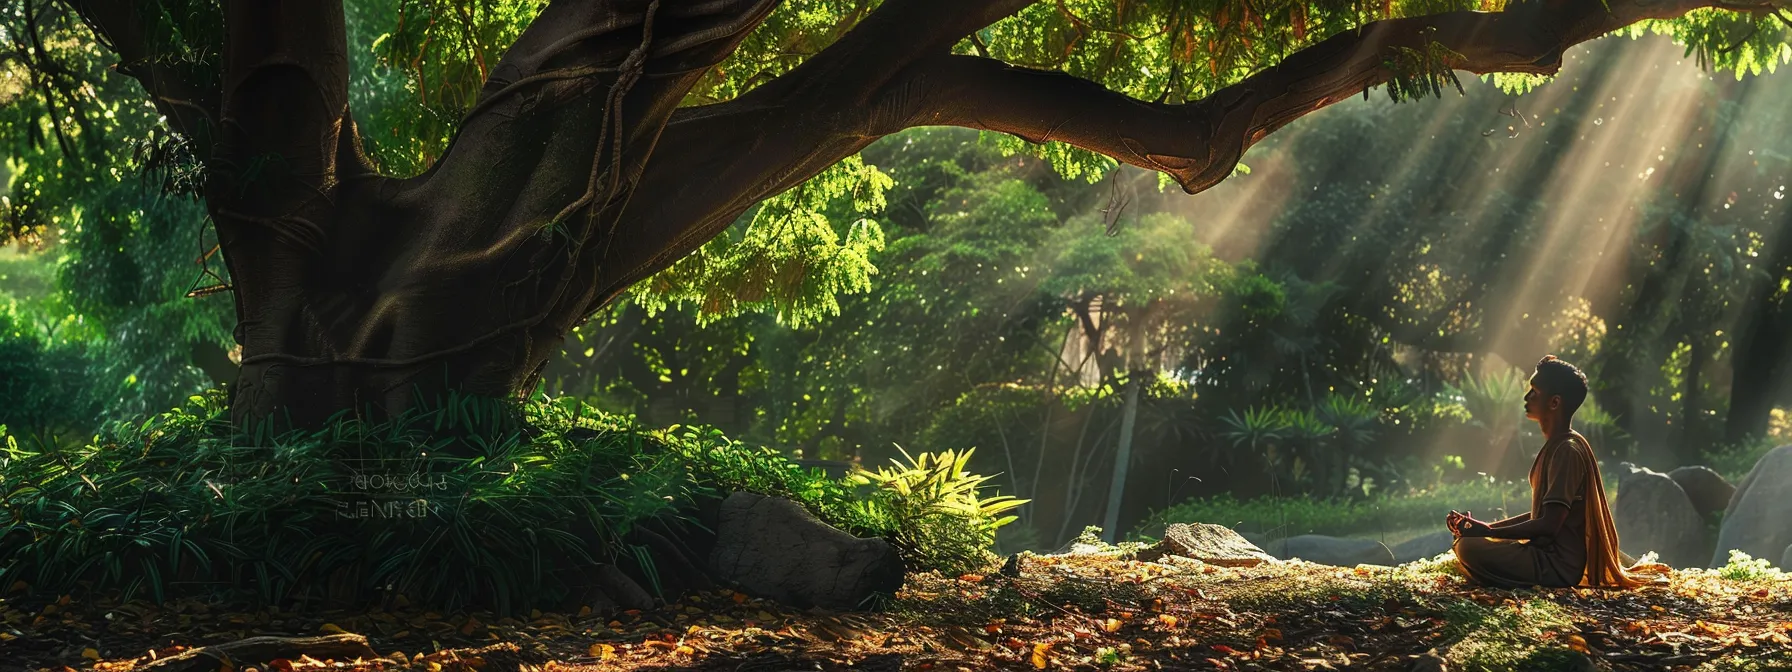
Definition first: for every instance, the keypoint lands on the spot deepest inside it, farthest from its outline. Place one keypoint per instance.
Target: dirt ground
(1089, 611)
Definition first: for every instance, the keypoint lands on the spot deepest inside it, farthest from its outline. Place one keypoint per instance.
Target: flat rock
(771, 547)
(1755, 522)
(1212, 544)
(1652, 513)
(1423, 548)
(1707, 489)
(1338, 551)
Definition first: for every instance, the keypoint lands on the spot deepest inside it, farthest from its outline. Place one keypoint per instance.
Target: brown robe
(1584, 552)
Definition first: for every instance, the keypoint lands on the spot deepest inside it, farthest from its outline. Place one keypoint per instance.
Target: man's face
(1536, 403)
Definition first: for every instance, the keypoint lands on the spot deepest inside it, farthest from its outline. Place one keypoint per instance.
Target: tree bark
(1110, 525)
(1762, 355)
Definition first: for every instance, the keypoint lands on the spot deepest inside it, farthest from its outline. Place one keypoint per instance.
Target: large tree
(607, 142)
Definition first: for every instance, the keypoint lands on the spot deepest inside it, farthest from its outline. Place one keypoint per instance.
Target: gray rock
(1339, 551)
(617, 590)
(1755, 522)
(771, 547)
(1212, 544)
(1786, 558)
(1652, 513)
(1423, 548)
(1707, 489)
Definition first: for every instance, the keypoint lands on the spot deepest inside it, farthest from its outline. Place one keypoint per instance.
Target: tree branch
(1199, 143)
(191, 106)
(785, 132)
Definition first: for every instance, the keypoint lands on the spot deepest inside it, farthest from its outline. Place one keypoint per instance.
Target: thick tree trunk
(1690, 449)
(1110, 526)
(364, 293)
(1763, 351)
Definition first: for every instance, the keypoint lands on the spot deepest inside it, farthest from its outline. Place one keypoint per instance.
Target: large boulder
(1786, 559)
(1756, 520)
(1212, 544)
(771, 547)
(1423, 548)
(1707, 489)
(1652, 513)
(1339, 551)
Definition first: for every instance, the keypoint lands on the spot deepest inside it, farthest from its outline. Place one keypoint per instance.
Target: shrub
(1382, 513)
(473, 500)
(1735, 460)
(1743, 567)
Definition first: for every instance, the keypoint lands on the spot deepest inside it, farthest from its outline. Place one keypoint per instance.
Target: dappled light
(513, 335)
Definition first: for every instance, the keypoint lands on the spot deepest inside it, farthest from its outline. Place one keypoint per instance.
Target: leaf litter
(1088, 611)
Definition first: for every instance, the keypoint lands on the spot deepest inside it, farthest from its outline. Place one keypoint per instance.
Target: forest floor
(1083, 611)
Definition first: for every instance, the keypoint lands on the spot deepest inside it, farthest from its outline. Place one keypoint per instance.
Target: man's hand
(1461, 524)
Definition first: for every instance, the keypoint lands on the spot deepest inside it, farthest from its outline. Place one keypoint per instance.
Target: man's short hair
(1556, 377)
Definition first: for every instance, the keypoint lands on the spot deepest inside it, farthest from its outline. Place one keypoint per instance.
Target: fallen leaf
(1576, 642)
(90, 653)
(1039, 651)
(1110, 625)
(970, 578)
(1168, 620)
(332, 629)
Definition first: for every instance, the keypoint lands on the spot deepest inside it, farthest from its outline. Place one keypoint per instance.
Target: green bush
(474, 500)
(1308, 515)
(1743, 567)
(1735, 460)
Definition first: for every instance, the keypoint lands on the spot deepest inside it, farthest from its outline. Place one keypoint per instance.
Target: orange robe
(1584, 552)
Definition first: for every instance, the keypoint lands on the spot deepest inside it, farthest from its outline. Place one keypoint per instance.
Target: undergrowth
(1292, 516)
(472, 500)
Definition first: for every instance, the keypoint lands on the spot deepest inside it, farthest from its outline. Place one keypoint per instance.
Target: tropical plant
(936, 505)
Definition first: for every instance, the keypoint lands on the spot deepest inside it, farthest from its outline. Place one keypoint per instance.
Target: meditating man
(1567, 539)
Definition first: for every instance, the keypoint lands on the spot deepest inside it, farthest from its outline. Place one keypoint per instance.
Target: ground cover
(1091, 610)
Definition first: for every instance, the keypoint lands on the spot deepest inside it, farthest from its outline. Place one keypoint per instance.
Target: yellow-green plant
(933, 486)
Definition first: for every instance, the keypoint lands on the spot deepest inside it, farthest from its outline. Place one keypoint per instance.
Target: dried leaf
(1576, 642)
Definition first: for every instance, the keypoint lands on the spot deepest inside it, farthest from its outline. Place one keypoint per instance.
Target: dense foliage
(455, 505)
